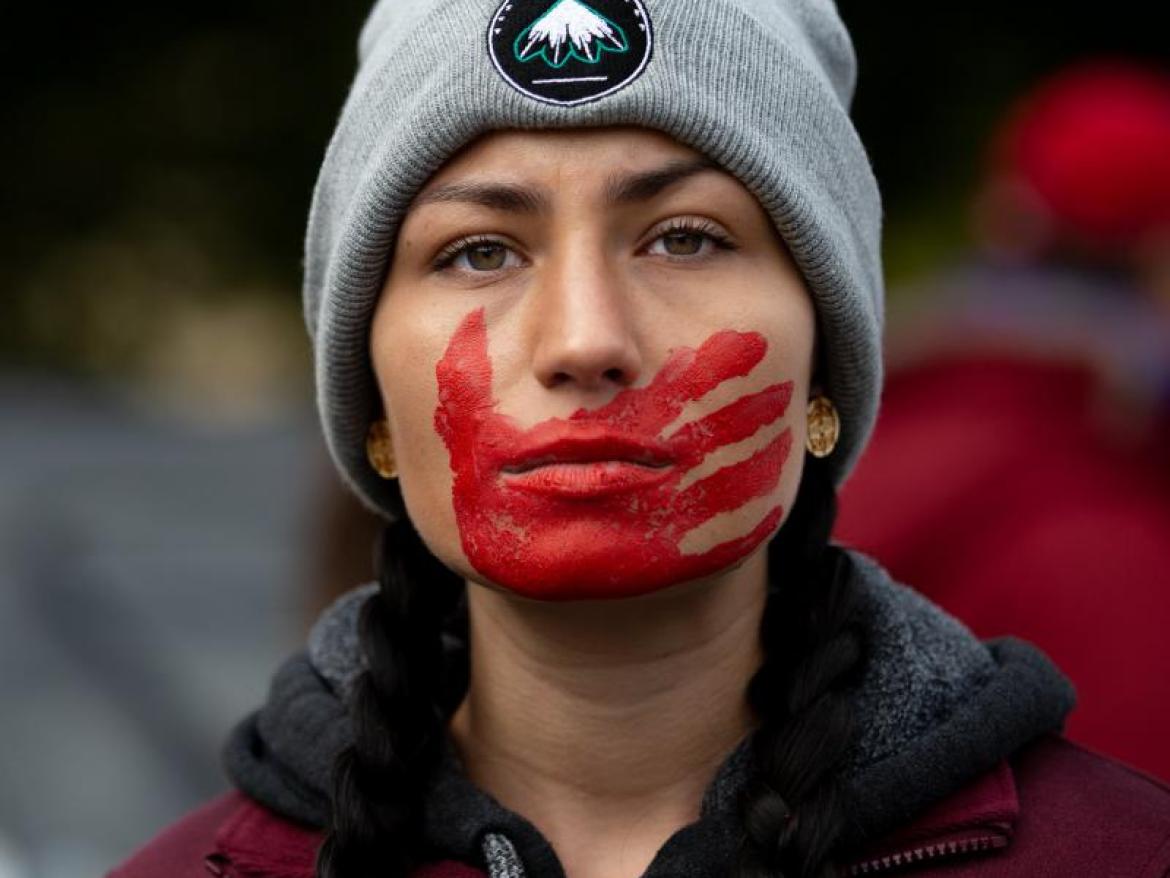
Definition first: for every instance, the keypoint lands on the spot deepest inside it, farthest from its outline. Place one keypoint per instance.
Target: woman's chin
(599, 573)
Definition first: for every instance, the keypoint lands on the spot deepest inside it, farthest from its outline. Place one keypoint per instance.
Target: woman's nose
(584, 332)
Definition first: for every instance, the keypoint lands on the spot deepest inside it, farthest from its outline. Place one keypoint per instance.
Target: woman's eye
(486, 257)
(477, 256)
(683, 241)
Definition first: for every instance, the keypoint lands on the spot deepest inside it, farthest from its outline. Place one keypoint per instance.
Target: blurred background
(168, 520)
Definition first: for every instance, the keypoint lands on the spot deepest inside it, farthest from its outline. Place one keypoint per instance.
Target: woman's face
(587, 347)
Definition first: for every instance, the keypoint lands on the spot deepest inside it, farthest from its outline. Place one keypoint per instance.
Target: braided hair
(399, 708)
(791, 810)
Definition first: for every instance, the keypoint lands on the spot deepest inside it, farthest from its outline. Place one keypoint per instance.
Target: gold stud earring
(380, 449)
(824, 427)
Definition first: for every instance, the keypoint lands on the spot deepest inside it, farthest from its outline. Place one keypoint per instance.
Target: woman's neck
(603, 722)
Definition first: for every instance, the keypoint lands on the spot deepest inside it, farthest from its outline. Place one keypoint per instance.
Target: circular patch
(568, 51)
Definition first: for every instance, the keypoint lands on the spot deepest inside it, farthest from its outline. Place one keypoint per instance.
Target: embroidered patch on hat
(568, 51)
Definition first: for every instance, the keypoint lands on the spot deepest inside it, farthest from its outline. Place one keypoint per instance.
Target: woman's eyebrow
(496, 196)
(644, 185)
(619, 189)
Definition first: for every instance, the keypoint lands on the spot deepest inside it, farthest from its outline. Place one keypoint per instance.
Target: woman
(595, 298)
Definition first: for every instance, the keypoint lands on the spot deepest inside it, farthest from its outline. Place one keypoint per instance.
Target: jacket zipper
(219, 866)
(930, 852)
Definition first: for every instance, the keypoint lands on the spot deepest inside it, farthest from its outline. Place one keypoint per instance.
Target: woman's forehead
(612, 170)
(578, 153)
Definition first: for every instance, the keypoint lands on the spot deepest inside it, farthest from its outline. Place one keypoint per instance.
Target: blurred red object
(1019, 473)
(989, 487)
(1090, 147)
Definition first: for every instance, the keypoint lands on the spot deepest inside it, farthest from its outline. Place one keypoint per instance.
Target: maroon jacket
(1055, 809)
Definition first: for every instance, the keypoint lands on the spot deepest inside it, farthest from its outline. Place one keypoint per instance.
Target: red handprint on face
(593, 505)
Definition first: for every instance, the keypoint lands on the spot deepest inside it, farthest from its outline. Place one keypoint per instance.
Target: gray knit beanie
(762, 87)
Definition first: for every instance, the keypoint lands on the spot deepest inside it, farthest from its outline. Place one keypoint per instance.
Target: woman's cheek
(426, 481)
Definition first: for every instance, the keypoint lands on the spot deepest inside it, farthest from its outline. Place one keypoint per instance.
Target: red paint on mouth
(587, 480)
(590, 506)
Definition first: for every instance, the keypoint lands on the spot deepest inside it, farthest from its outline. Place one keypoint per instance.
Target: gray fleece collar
(936, 708)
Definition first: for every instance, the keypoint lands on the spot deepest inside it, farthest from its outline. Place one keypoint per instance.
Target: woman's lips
(583, 462)
(598, 478)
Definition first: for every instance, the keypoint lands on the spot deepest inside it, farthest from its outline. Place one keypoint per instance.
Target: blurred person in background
(1019, 474)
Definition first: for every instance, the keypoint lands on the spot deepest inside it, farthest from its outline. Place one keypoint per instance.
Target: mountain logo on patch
(570, 51)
